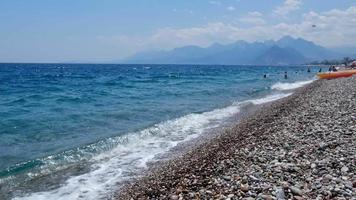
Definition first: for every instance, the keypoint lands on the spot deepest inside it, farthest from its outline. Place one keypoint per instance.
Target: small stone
(173, 197)
(180, 197)
(253, 178)
(322, 145)
(285, 185)
(191, 195)
(344, 169)
(267, 197)
(328, 177)
(249, 198)
(298, 198)
(230, 195)
(348, 185)
(344, 178)
(296, 191)
(280, 194)
(227, 178)
(244, 188)
(252, 194)
(313, 165)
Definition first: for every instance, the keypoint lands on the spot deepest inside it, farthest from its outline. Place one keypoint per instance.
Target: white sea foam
(118, 164)
(290, 86)
(269, 98)
(114, 166)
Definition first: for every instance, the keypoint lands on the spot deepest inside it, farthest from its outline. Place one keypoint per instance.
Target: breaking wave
(290, 86)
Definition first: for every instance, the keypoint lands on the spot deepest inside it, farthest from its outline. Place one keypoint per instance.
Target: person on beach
(353, 65)
(332, 69)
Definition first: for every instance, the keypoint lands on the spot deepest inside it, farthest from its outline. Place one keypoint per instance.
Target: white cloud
(217, 3)
(332, 28)
(287, 7)
(210, 33)
(253, 18)
(190, 11)
(231, 8)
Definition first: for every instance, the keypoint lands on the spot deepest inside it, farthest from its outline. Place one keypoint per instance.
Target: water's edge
(81, 132)
(235, 112)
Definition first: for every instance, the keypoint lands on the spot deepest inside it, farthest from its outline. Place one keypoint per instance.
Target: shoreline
(269, 154)
(185, 147)
(36, 188)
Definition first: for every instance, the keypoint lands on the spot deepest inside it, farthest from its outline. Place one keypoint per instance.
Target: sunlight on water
(80, 130)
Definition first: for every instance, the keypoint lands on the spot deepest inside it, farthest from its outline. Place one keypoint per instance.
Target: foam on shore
(134, 151)
(290, 86)
(132, 154)
(269, 98)
(300, 139)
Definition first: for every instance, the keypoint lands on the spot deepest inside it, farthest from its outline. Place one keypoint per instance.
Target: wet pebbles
(300, 147)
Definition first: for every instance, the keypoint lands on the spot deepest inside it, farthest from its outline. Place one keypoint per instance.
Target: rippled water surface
(70, 131)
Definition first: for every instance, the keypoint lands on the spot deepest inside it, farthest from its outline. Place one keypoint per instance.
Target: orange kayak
(338, 74)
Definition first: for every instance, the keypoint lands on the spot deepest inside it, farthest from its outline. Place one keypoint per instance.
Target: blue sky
(98, 31)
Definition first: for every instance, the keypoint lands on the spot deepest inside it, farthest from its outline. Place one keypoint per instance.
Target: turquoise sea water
(72, 131)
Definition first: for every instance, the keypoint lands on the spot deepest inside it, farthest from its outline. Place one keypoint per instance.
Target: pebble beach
(299, 147)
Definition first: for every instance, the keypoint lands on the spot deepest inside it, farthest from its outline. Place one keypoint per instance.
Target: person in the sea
(331, 68)
(265, 76)
(319, 70)
(308, 69)
(285, 75)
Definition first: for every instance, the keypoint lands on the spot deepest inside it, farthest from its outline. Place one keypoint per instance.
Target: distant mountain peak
(187, 47)
(215, 44)
(287, 38)
(240, 42)
(286, 50)
(281, 56)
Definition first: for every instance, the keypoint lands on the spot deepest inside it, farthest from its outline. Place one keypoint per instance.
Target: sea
(79, 131)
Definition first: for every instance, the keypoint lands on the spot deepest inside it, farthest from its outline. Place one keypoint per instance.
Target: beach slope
(301, 147)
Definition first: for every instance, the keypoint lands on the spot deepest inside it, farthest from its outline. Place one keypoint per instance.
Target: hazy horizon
(101, 32)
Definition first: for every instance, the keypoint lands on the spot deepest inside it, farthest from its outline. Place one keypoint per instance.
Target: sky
(109, 30)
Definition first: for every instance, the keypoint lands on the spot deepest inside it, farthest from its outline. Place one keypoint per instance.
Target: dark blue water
(57, 118)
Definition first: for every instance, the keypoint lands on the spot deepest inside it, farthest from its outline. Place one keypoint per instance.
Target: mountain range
(285, 51)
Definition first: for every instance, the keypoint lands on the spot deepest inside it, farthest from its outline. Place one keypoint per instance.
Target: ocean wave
(290, 86)
(269, 98)
(130, 154)
(120, 158)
